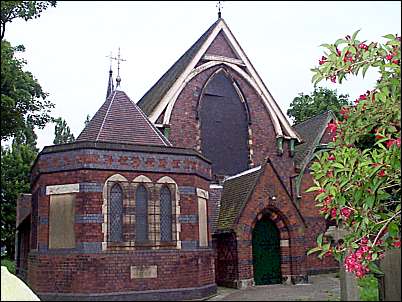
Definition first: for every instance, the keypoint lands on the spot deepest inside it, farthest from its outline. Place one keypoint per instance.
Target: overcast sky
(66, 47)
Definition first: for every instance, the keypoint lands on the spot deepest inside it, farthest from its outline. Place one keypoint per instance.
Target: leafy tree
(21, 9)
(359, 180)
(16, 162)
(22, 98)
(62, 132)
(306, 106)
(23, 106)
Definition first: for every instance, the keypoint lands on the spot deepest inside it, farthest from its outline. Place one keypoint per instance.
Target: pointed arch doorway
(266, 252)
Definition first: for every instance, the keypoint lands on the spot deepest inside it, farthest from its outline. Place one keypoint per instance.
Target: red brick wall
(316, 224)
(185, 129)
(221, 47)
(287, 219)
(72, 271)
(110, 272)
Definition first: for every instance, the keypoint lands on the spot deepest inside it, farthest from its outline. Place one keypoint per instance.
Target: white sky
(66, 47)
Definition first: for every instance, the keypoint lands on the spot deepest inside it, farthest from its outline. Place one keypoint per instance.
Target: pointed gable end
(120, 120)
(216, 46)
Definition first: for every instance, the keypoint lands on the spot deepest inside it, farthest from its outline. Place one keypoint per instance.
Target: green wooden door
(266, 257)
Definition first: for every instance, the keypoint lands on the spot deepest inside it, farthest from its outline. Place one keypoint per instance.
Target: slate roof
(120, 120)
(236, 192)
(311, 131)
(153, 96)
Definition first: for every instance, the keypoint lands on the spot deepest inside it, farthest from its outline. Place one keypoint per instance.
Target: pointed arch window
(116, 214)
(166, 214)
(141, 219)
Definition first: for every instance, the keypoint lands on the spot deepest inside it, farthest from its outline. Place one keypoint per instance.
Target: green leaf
(340, 41)
(393, 229)
(338, 165)
(319, 240)
(313, 250)
(312, 189)
(389, 36)
(374, 268)
(355, 34)
(365, 68)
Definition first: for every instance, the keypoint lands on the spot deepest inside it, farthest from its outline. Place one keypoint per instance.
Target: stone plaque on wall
(141, 272)
(61, 221)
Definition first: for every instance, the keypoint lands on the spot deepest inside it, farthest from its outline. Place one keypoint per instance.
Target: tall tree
(21, 9)
(16, 162)
(23, 106)
(22, 98)
(62, 132)
(306, 106)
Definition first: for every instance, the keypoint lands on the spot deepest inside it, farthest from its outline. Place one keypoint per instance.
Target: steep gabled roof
(236, 192)
(311, 131)
(120, 120)
(152, 97)
(162, 96)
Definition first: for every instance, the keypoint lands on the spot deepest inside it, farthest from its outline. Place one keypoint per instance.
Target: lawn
(368, 288)
(10, 264)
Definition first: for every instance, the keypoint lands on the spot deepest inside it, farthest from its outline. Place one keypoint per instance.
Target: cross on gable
(118, 59)
(219, 5)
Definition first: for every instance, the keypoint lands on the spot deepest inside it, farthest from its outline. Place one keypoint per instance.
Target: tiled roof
(120, 120)
(236, 192)
(153, 96)
(311, 131)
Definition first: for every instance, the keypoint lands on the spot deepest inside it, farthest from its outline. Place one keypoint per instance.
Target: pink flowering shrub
(358, 182)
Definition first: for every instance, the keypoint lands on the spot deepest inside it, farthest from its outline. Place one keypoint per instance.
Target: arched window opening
(166, 214)
(116, 214)
(224, 126)
(141, 219)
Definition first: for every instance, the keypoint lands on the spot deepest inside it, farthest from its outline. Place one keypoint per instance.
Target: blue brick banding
(91, 187)
(187, 190)
(89, 218)
(188, 218)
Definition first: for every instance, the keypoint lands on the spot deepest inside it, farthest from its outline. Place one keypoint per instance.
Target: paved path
(323, 287)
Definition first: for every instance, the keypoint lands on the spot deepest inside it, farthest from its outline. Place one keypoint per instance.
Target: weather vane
(118, 59)
(219, 5)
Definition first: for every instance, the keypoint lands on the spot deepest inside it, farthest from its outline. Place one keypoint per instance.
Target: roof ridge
(244, 173)
(146, 102)
(321, 113)
(162, 137)
(107, 112)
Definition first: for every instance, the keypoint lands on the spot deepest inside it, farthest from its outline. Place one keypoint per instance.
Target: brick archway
(291, 253)
(282, 224)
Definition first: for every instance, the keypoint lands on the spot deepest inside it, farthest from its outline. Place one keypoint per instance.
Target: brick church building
(200, 183)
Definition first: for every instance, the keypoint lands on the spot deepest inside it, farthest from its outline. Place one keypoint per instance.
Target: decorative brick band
(43, 220)
(89, 218)
(91, 187)
(246, 261)
(120, 160)
(174, 294)
(188, 219)
(187, 190)
(89, 247)
(293, 258)
(189, 244)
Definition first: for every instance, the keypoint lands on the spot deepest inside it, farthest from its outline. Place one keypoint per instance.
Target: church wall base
(176, 294)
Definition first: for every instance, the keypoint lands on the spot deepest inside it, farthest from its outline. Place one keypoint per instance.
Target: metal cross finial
(118, 59)
(219, 5)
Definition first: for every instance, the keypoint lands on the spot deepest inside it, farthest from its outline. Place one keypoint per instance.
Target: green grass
(368, 288)
(10, 264)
